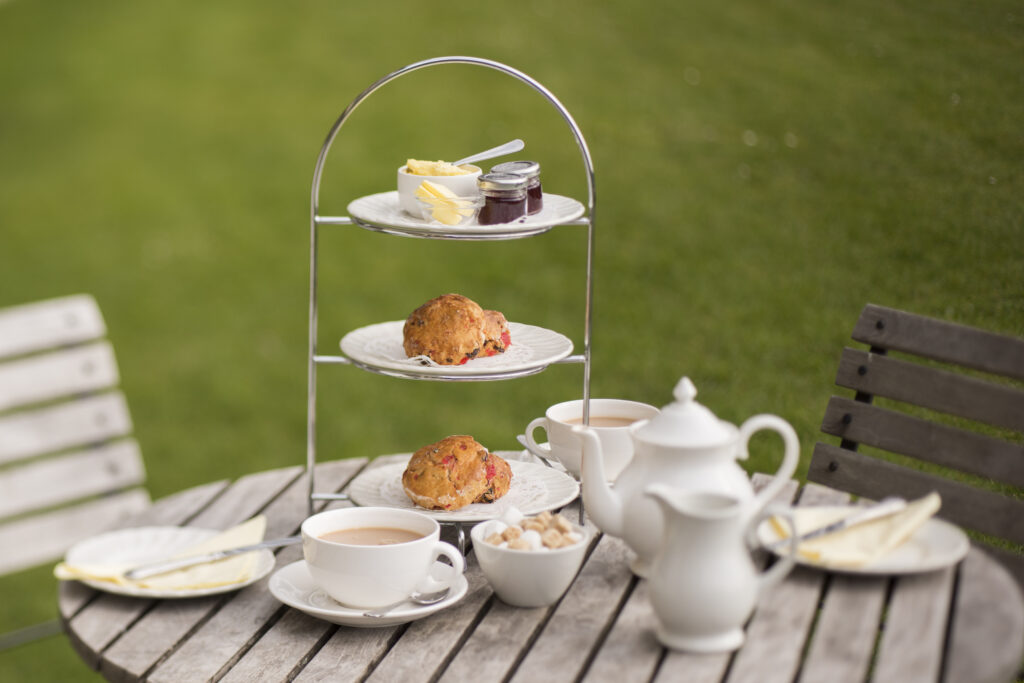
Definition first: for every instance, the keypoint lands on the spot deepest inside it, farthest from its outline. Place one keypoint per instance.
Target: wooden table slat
(987, 614)
(586, 611)
(915, 628)
(777, 632)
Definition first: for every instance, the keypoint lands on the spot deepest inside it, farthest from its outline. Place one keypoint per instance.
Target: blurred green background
(763, 169)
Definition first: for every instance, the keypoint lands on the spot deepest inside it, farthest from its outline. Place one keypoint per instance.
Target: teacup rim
(429, 536)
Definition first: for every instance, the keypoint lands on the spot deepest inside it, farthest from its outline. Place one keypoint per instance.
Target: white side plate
(935, 545)
(141, 545)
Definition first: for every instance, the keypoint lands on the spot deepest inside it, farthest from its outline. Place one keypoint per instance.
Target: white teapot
(685, 447)
(703, 584)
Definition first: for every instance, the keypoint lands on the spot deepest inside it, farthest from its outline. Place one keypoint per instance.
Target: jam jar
(531, 171)
(504, 198)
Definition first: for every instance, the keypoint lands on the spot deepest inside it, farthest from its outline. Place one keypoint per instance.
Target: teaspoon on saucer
(417, 597)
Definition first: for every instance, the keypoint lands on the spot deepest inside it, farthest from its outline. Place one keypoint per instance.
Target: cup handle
(443, 549)
(542, 450)
(784, 564)
(790, 456)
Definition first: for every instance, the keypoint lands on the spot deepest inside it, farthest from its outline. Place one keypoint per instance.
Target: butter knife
(884, 508)
(163, 566)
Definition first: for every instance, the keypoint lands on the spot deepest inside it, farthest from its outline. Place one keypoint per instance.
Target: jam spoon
(500, 150)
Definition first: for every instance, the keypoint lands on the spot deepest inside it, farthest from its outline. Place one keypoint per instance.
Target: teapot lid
(686, 423)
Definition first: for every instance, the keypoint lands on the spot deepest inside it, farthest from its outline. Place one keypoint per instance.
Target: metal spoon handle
(417, 598)
(500, 150)
(164, 566)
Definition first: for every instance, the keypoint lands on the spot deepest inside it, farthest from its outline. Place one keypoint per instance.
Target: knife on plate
(163, 566)
(884, 508)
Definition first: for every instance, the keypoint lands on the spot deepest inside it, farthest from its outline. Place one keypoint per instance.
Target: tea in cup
(375, 556)
(611, 419)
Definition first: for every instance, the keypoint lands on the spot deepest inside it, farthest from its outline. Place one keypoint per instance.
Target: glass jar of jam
(504, 198)
(531, 171)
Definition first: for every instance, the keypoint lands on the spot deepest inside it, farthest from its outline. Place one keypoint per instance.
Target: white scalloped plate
(380, 346)
(534, 489)
(140, 545)
(382, 211)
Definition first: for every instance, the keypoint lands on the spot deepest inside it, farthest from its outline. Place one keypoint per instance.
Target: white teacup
(366, 576)
(611, 419)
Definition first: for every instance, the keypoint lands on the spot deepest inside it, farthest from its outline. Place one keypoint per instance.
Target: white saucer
(293, 586)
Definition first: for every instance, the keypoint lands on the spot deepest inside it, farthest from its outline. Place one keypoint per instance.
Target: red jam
(504, 198)
(501, 210)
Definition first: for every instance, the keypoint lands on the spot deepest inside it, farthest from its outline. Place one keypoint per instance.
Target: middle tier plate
(534, 489)
(379, 347)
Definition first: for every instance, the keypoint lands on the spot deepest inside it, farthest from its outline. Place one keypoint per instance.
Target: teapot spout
(602, 503)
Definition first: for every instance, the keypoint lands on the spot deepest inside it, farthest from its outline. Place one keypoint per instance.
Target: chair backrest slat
(944, 445)
(932, 388)
(863, 475)
(940, 340)
(57, 374)
(49, 324)
(45, 537)
(47, 482)
(90, 420)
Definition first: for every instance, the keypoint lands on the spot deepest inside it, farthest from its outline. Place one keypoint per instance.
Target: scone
(453, 473)
(448, 329)
(452, 329)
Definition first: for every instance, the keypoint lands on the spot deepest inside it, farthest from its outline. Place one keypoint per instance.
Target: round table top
(961, 623)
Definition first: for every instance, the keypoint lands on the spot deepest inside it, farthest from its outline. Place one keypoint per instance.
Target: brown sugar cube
(562, 524)
(544, 518)
(534, 525)
(518, 544)
(553, 538)
(511, 533)
(494, 539)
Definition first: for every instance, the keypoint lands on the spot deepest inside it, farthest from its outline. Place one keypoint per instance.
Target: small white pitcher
(703, 584)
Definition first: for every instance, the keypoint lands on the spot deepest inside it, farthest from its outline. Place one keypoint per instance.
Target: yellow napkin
(859, 545)
(230, 570)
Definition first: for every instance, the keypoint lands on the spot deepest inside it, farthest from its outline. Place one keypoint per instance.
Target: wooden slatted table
(964, 623)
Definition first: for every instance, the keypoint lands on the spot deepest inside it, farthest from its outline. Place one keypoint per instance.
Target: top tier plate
(381, 212)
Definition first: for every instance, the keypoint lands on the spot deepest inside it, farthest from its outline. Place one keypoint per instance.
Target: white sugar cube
(512, 516)
(533, 539)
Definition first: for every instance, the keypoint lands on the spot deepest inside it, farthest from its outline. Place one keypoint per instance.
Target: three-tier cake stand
(380, 213)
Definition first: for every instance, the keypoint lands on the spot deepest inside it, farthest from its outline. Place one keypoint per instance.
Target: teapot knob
(685, 390)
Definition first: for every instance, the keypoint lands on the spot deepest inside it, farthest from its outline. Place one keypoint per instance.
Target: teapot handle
(790, 456)
(784, 564)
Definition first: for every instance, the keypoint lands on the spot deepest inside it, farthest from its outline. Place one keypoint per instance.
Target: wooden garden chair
(68, 467)
(924, 388)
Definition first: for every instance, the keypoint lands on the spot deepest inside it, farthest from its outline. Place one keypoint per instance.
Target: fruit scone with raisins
(455, 472)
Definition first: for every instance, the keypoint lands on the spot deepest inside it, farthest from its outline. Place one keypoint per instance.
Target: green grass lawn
(763, 170)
